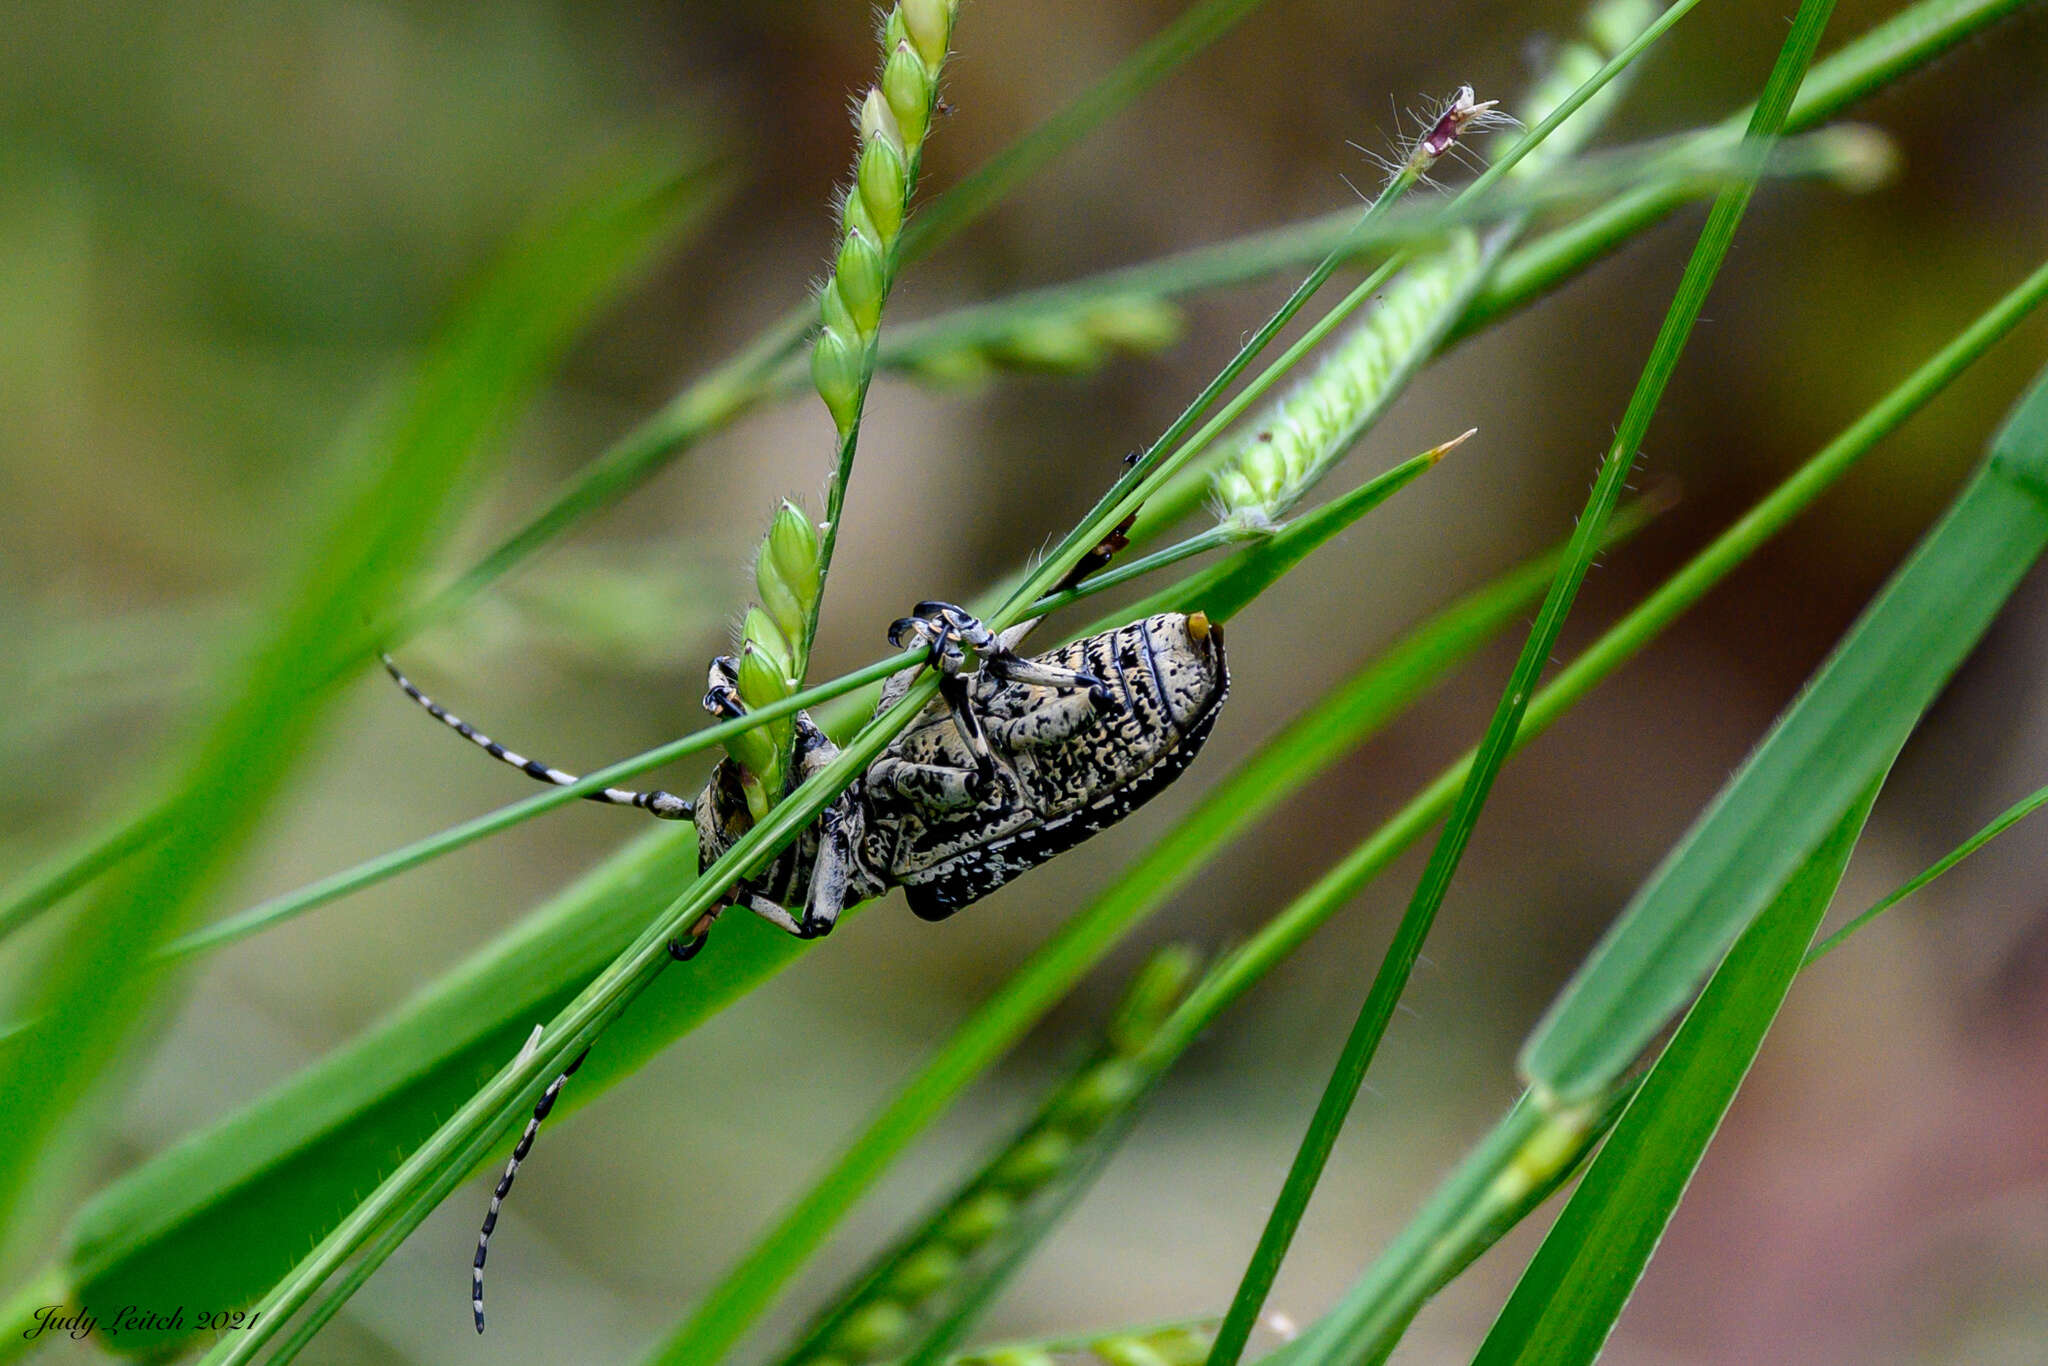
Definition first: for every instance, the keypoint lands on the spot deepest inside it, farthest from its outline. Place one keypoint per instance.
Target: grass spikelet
(1066, 341)
(1170, 1344)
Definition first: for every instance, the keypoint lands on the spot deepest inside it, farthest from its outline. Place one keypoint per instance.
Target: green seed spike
(766, 640)
(907, 86)
(790, 555)
(879, 187)
(836, 371)
(861, 279)
(877, 123)
(930, 25)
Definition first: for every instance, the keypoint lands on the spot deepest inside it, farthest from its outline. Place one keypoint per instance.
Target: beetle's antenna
(519, 1152)
(666, 805)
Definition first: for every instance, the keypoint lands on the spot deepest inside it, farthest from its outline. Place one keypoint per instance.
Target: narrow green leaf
(1445, 1233)
(1530, 1154)
(2002, 822)
(1843, 730)
(498, 346)
(1567, 1302)
(437, 1164)
(284, 907)
(1498, 743)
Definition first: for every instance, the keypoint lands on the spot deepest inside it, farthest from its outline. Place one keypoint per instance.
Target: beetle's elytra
(1011, 764)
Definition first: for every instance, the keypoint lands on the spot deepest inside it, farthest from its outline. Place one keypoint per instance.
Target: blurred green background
(223, 225)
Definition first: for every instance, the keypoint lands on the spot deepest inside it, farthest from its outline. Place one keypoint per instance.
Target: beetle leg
(683, 950)
(1002, 663)
(721, 694)
(778, 915)
(967, 721)
(838, 879)
(1049, 723)
(932, 787)
(1014, 668)
(951, 630)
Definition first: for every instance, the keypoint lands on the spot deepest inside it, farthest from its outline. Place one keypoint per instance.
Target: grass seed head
(907, 86)
(929, 24)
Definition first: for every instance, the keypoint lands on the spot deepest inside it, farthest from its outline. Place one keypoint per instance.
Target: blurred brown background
(222, 224)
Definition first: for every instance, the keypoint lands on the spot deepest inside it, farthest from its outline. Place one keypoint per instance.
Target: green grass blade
(497, 348)
(1567, 1302)
(1442, 1230)
(437, 1163)
(1457, 1216)
(2004, 821)
(1859, 707)
(1451, 1232)
(1531, 1153)
(1389, 982)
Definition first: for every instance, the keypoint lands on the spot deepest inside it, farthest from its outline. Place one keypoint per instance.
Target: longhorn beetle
(1010, 764)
